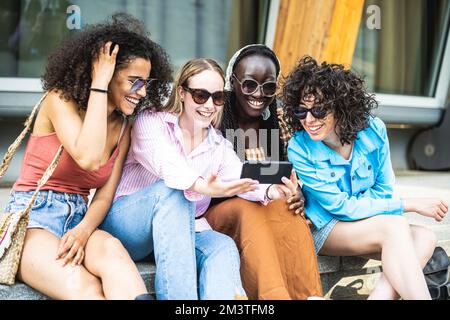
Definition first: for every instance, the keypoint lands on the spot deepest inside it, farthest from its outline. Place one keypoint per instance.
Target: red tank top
(68, 176)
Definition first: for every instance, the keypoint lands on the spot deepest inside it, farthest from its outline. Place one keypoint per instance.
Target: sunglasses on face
(250, 86)
(200, 96)
(318, 112)
(139, 83)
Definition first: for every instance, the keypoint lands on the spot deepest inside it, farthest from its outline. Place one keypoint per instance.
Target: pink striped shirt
(157, 153)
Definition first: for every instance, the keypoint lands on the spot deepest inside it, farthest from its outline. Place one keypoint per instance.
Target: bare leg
(424, 243)
(40, 270)
(391, 236)
(107, 259)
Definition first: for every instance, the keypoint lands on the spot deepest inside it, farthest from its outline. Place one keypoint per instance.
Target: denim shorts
(56, 212)
(321, 235)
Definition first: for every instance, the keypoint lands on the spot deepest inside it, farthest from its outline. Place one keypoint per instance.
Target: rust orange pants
(278, 260)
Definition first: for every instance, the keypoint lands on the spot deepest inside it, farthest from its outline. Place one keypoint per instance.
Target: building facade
(402, 49)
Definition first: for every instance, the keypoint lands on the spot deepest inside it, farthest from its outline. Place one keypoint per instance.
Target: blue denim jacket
(347, 190)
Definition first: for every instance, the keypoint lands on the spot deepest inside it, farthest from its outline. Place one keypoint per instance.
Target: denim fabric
(346, 190)
(321, 235)
(160, 219)
(56, 212)
(218, 266)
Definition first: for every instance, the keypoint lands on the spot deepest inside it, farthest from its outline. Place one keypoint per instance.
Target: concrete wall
(399, 140)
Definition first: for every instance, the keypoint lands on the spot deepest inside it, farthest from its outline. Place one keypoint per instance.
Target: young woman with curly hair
(341, 153)
(94, 81)
(265, 235)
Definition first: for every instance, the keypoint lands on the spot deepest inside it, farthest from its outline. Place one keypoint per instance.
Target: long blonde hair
(190, 69)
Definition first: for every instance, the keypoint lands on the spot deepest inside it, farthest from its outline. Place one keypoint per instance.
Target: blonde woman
(176, 163)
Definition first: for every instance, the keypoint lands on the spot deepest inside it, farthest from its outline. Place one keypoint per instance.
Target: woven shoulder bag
(13, 225)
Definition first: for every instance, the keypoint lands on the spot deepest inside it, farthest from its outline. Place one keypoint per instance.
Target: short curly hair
(69, 67)
(342, 91)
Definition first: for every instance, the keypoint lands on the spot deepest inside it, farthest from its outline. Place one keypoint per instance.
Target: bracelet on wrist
(99, 90)
(267, 192)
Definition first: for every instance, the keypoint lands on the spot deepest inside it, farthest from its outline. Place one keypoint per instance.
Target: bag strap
(15, 145)
(12, 151)
(47, 174)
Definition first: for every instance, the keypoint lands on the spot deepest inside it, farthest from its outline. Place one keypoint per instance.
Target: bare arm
(85, 140)
(104, 196)
(73, 242)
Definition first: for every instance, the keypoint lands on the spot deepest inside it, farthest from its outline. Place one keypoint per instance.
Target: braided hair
(229, 120)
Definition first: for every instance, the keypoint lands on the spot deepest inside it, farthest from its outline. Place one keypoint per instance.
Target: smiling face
(261, 69)
(120, 95)
(198, 115)
(319, 129)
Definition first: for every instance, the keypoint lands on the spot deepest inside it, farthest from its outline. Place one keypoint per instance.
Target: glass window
(31, 29)
(404, 55)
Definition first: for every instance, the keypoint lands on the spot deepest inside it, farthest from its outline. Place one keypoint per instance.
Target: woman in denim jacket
(341, 154)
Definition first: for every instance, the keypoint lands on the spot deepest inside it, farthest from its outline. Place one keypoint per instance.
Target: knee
(164, 192)
(223, 246)
(83, 287)
(112, 252)
(92, 291)
(174, 204)
(425, 236)
(394, 226)
(391, 228)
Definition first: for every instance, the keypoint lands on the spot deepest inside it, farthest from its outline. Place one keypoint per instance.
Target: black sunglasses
(200, 96)
(318, 112)
(250, 86)
(139, 83)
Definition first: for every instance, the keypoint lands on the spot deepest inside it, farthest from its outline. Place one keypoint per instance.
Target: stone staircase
(21, 291)
(342, 278)
(328, 266)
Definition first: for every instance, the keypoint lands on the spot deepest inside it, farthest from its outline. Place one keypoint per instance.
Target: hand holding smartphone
(266, 172)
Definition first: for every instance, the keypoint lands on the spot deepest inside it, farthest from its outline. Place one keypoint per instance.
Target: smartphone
(266, 171)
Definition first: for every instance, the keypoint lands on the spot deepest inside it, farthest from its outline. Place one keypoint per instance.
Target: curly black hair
(229, 120)
(69, 67)
(341, 90)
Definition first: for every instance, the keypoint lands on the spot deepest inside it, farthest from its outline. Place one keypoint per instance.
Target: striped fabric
(157, 153)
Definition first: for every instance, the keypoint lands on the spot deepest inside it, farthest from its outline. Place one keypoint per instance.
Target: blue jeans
(56, 212)
(159, 219)
(218, 266)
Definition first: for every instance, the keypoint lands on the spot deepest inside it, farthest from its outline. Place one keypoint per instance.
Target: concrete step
(343, 274)
(353, 277)
(327, 265)
(20, 291)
